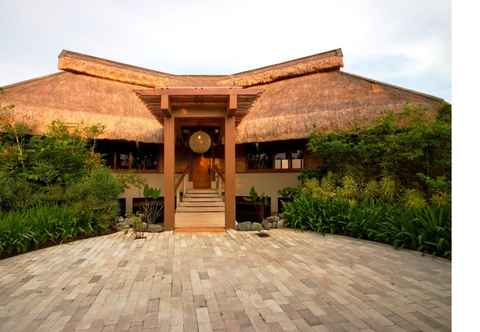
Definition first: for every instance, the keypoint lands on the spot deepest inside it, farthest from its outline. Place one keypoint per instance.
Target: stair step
(202, 199)
(207, 203)
(202, 191)
(200, 209)
(201, 195)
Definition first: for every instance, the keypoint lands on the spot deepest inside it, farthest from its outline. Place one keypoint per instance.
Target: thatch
(80, 99)
(98, 67)
(120, 72)
(327, 61)
(325, 102)
(85, 64)
(299, 96)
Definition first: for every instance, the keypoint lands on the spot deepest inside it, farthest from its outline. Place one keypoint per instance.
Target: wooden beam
(169, 172)
(200, 91)
(232, 104)
(165, 105)
(230, 172)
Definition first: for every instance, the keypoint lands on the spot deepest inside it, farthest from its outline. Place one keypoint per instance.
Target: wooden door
(200, 176)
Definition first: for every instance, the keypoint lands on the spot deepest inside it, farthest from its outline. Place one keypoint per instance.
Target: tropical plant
(42, 225)
(53, 187)
(152, 207)
(409, 223)
(289, 192)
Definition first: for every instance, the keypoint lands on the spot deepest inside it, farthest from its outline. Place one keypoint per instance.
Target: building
(217, 134)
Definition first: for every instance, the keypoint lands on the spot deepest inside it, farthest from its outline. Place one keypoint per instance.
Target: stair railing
(219, 179)
(179, 182)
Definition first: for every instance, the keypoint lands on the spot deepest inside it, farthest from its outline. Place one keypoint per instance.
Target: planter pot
(250, 211)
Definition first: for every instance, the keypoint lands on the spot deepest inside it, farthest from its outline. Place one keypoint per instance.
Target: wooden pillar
(169, 170)
(230, 173)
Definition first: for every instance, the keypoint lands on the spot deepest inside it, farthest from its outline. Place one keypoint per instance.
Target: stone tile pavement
(290, 281)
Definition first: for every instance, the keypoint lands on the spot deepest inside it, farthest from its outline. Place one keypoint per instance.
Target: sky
(406, 43)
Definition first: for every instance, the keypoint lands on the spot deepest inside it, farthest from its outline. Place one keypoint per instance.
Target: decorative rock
(154, 228)
(282, 223)
(273, 219)
(256, 226)
(245, 226)
(271, 222)
(266, 224)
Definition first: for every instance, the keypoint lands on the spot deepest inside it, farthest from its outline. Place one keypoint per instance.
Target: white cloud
(407, 39)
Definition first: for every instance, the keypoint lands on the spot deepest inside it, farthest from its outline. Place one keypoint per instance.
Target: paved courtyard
(290, 281)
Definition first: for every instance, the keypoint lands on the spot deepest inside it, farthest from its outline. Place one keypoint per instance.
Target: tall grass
(32, 228)
(426, 229)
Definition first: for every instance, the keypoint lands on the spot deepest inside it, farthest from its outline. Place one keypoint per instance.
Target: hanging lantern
(200, 142)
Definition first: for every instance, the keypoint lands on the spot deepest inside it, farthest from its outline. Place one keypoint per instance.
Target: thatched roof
(76, 99)
(326, 102)
(298, 96)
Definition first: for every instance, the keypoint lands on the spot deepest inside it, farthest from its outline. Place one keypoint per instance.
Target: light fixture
(200, 142)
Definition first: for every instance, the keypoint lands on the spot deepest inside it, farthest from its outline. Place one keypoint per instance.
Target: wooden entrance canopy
(164, 102)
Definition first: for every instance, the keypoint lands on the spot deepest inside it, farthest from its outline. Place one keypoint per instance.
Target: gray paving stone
(290, 281)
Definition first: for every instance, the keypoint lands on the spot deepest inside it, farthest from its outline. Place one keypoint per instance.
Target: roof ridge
(337, 51)
(67, 53)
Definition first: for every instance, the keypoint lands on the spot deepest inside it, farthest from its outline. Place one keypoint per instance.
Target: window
(275, 155)
(129, 155)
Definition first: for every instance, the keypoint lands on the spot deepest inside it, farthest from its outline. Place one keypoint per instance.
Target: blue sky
(407, 42)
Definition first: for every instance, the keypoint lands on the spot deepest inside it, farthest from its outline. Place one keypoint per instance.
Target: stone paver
(290, 281)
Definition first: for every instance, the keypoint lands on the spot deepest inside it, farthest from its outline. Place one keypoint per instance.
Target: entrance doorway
(200, 172)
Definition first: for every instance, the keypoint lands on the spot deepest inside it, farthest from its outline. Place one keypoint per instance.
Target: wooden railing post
(184, 185)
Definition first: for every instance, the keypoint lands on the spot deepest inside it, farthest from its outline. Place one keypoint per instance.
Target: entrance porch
(199, 127)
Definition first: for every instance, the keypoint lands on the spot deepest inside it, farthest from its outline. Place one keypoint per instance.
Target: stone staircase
(200, 209)
(201, 200)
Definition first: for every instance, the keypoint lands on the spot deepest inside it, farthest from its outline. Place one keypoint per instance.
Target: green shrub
(407, 146)
(372, 211)
(95, 196)
(53, 187)
(392, 182)
(349, 189)
(427, 229)
(289, 192)
(151, 192)
(414, 199)
(32, 228)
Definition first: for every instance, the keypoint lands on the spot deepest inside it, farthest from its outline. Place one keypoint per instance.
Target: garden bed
(247, 210)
